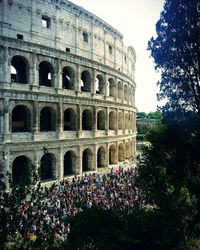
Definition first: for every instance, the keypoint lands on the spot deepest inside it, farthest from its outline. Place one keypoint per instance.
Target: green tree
(176, 51)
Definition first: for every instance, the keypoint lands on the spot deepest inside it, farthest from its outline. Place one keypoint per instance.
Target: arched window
(69, 120)
(87, 120)
(47, 119)
(45, 74)
(101, 161)
(69, 163)
(19, 69)
(68, 78)
(101, 120)
(21, 171)
(47, 163)
(85, 81)
(21, 119)
(127, 121)
(112, 120)
(126, 93)
(127, 150)
(100, 86)
(87, 160)
(120, 152)
(112, 87)
(112, 152)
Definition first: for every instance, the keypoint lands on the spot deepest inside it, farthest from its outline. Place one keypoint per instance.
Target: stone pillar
(122, 92)
(93, 83)
(94, 125)
(60, 170)
(60, 121)
(34, 73)
(116, 89)
(7, 168)
(36, 121)
(107, 121)
(116, 120)
(124, 121)
(58, 75)
(107, 155)
(79, 165)
(79, 125)
(95, 158)
(77, 79)
(7, 132)
(5, 62)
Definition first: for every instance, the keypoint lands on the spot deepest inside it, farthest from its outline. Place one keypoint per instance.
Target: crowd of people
(47, 209)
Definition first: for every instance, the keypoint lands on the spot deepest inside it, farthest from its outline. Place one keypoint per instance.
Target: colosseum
(67, 91)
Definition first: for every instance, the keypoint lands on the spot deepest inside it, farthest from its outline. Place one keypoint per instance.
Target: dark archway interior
(19, 73)
(67, 78)
(20, 120)
(45, 74)
(69, 162)
(46, 167)
(21, 172)
(69, 120)
(86, 80)
(47, 121)
(87, 120)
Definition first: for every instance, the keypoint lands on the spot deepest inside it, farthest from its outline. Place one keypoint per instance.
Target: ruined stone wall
(67, 88)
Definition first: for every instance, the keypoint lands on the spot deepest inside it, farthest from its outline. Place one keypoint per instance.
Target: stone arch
(21, 119)
(47, 167)
(120, 120)
(120, 90)
(101, 120)
(120, 152)
(112, 124)
(19, 69)
(86, 120)
(21, 170)
(100, 85)
(112, 154)
(85, 81)
(69, 163)
(87, 160)
(101, 157)
(47, 119)
(112, 87)
(69, 120)
(68, 78)
(46, 74)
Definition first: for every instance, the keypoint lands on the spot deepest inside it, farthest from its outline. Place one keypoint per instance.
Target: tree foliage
(176, 51)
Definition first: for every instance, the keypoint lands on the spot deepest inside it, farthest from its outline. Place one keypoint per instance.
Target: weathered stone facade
(67, 90)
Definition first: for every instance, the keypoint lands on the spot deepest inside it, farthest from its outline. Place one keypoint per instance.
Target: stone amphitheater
(67, 91)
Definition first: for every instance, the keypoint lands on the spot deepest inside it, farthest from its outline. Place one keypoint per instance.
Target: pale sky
(136, 20)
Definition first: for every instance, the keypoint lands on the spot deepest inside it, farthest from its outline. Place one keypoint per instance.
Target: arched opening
(127, 121)
(101, 161)
(87, 120)
(112, 87)
(68, 78)
(112, 152)
(120, 120)
(100, 86)
(69, 163)
(112, 120)
(47, 163)
(69, 120)
(47, 119)
(45, 74)
(19, 69)
(120, 152)
(101, 120)
(120, 90)
(21, 119)
(21, 171)
(85, 81)
(87, 160)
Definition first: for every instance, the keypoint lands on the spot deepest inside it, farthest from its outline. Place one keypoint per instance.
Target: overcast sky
(136, 20)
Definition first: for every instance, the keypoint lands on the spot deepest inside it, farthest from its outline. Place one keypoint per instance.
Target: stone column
(60, 121)
(79, 127)
(122, 92)
(34, 73)
(95, 158)
(5, 62)
(60, 170)
(79, 165)
(116, 90)
(107, 155)
(124, 121)
(7, 169)
(58, 75)
(36, 121)
(116, 119)
(77, 79)
(107, 121)
(94, 125)
(7, 125)
(93, 83)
